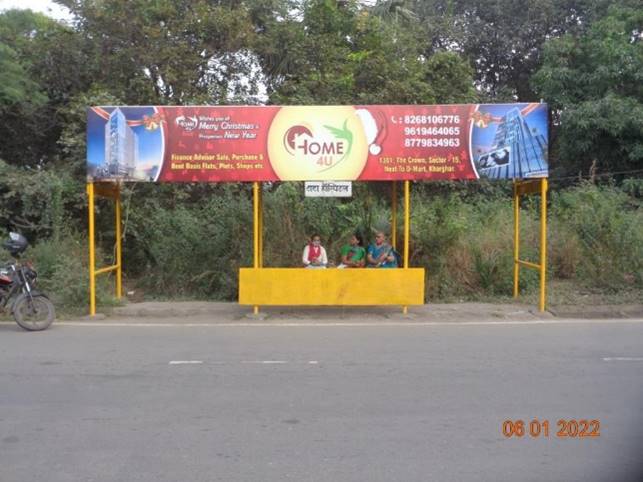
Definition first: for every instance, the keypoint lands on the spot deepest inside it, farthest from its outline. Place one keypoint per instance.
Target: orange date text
(541, 428)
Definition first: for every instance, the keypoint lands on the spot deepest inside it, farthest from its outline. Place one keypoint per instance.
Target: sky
(44, 6)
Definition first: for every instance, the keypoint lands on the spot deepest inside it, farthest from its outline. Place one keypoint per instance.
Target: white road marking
(623, 358)
(271, 324)
(246, 362)
(266, 362)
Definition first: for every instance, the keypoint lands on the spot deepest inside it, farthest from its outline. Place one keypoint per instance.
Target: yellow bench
(332, 286)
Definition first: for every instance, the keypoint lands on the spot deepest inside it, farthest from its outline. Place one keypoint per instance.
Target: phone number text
(431, 142)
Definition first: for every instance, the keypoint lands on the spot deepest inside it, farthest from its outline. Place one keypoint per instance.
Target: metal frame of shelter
(110, 191)
(259, 286)
(522, 188)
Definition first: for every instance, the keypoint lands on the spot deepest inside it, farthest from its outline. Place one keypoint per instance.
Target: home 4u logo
(326, 150)
(188, 124)
(317, 143)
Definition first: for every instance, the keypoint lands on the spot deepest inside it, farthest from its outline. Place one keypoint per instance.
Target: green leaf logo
(345, 134)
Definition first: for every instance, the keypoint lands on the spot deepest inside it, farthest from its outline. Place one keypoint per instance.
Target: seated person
(381, 254)
(314, 255)
(353, 254)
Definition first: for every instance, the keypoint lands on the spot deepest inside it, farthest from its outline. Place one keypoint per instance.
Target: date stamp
(541, 428)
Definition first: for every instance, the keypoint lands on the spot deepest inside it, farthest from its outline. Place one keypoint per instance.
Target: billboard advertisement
(317, 143)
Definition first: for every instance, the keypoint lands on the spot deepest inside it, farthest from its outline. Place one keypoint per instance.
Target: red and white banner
(317, 143)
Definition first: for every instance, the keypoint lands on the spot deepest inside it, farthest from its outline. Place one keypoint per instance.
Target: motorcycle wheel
(34, 313)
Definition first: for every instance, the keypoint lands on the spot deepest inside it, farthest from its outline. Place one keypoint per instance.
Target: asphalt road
(319, 403)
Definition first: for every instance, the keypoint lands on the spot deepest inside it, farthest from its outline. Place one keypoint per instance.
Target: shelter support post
(261, 225)
(516, 238)
(407, 229)
(543, 243)
(117, 231)
(92, 254)
(394, 214)
(255, 231)
(110, 191)
(521, 188)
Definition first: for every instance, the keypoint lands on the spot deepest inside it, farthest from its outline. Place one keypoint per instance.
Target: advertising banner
(317, 143)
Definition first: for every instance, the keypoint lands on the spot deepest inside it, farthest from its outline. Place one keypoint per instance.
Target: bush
(188, 241)
(191, 249)
(466, 244)
(606, 224)
(33, 200)
(63, 273)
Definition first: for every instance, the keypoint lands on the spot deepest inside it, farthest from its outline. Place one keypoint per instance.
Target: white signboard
(328, 189)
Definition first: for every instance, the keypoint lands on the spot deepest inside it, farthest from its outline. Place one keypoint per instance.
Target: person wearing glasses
(380, 254)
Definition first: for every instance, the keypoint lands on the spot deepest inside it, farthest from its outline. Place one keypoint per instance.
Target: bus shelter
(400, 144)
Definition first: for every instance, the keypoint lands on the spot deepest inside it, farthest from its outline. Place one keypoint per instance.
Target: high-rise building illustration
(121, 146)
(518, 151)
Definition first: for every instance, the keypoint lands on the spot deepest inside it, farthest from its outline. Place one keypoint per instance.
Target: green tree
(45, 61)
(15, 83)
(595, 83)
(169, 51)
(502, 39)
(338, 52)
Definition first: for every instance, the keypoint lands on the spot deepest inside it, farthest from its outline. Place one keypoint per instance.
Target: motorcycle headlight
(31, 274)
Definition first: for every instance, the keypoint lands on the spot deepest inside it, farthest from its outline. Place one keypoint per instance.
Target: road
(394, 402)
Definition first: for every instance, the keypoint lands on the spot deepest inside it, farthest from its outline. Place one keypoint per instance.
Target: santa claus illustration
(374, 123)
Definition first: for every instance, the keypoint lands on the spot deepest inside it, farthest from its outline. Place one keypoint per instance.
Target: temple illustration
(518, 152)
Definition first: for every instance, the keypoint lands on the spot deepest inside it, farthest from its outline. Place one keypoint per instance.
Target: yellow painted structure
(256, 233)
(407, 222)
(331, 286)
(110, 191)
(394, 215)
(301, 286)
(407, 232)
(523, 188)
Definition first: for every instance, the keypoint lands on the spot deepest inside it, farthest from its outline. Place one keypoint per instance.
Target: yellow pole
(407, 222)
(407, 228)
(255, 230)
(394, 214)
(516, 238)
(543, 242)
(260, 226)
(119, 269)
(92, 254)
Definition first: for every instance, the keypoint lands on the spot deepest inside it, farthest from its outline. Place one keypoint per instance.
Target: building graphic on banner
(518, 150)
(121, 147)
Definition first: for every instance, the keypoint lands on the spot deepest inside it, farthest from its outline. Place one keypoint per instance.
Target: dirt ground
(230, 312)
(227, 312)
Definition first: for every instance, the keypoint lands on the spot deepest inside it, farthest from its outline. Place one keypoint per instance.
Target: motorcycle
(32, 309)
